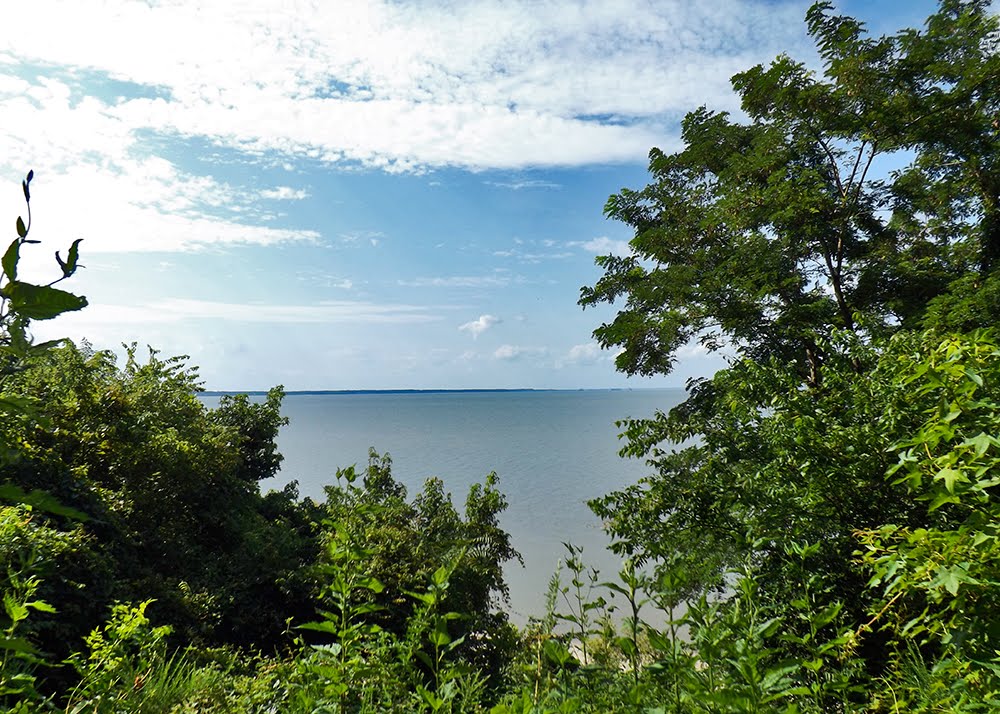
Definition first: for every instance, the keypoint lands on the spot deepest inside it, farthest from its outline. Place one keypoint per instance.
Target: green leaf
(941, 498)
(951, 582)
(557, 653)
(627, 646)
(328, 627)
(950, 477)
(439, 637)
(21, 230)
(40, 605)
(69, 267)
(40, 500)
(15, 610)
(10, 259)
(370, 583)
(17, 644)
(981, 442)
(41, 302)
(14, 404)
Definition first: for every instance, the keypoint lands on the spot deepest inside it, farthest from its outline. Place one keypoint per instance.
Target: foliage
(175, 515)
(256, 426)
(408, 542)
(766, 236)
(778, 240)
(20, 303)
(25, 547)
(821, 537)
(939, 582)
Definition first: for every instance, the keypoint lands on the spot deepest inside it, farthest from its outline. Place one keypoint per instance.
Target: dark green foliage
(256, 426)
(823, 539)
(768, 235)
(407, 542)
(777, 240)
(174, 507)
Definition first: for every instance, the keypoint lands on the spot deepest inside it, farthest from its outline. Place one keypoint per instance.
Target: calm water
(552, 451)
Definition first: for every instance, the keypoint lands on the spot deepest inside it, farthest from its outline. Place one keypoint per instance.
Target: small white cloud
(172, 310)
(691, 350)
(520, 185)
(372, 237)
(527, 256)
(512, 352)
(587, 353)
(284, 193)
(458, 281)
(479, 325)
(603, 246)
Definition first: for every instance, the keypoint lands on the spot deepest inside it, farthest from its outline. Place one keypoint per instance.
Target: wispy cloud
(402, 85)
(510, 353)
(480, 325)
(373, 238)
(180, 309)
(531, 257)
(496, 84)
(582, 354)
(524, 184)
(284, 193)
(459, 281)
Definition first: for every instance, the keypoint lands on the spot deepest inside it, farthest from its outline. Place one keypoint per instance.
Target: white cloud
(531, 257)
(480, 325)
(603, 246)
(587, 353)
(502, 84)
(284, 193)
(692, 350)
(513, 352)
(174, 310)
(498, 83)
(459, 281)
(371, 237)
(523, 184)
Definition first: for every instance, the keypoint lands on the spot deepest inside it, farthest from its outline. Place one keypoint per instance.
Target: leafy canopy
(767, 235)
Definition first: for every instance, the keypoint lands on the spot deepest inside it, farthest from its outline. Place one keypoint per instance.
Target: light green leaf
(10, 259)
(41, 302)
(950, 477)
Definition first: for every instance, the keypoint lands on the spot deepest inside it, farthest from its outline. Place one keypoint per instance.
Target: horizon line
(320, 392)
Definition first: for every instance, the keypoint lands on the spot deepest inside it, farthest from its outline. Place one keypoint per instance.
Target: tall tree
(852, 204)
(766, 235)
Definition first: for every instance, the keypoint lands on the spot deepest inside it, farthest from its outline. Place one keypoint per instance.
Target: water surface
(553, 450)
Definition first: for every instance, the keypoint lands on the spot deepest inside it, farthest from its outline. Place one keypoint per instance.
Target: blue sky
(361, 195)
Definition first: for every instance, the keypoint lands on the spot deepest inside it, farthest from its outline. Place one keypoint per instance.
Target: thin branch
(854, 171)
(830, 156)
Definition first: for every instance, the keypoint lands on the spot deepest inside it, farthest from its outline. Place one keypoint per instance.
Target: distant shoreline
(322, 392)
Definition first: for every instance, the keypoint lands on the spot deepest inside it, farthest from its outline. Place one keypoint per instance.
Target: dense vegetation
(827, 539)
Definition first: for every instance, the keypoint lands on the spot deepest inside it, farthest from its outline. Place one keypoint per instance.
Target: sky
(354, 194)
